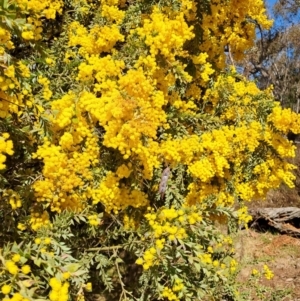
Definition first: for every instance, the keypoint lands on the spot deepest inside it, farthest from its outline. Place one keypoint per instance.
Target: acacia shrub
(97, 99)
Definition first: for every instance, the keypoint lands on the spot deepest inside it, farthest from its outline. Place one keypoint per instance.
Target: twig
(230, 56)
(106, 248)
(11, 102)
(124, 291)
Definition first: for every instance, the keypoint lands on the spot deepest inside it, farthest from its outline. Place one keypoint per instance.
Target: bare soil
(282, 255)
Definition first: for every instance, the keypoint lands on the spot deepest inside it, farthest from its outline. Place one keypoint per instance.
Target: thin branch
(230, 56)
(106, 248)
(11, 102)
(124, 291)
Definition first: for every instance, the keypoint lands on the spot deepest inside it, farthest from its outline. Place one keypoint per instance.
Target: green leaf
(15, 248)
(37, 262)
(82, 218)
(198, 267)
(8, 23)
(79, 273)
(119, 260)
(23, 260)
(49, 270)
(20, 21)
(72, 267)
(5, 4)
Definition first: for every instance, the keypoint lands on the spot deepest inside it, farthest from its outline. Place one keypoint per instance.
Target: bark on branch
(286, 220)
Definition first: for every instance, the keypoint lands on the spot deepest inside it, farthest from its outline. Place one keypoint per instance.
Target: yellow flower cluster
(6, 147)
(45, 247)
(45, 83)
(231, 147)
(36, 28)
(127, 109)
(233, 265)
(13, 268)
(13, 198)
(94, 220)
(67, 167)
(130, 223)
(27, 35)
(204, 71)
(96, 40)
(100, 68)
(148, 259)
(66, 172)
(165, 35)
(168, 224)
(114, 197)
(8, 103)
(170, 294)
(11, 100)
(189, 8)
(38, 220)
(239, 99)
(204, 169)
(10, 71)
(65, 112)
(245, 191)
(285, 120)
(47, 8)
(112, 13)
(23, 69)
(205, 258)
(5, 40)
(243, 216)
(172, 223)
(5, 289)
(60, 291)
(271, 173)
(226, 24)
(268, 273)
(129, 105)
(66, 275)
(21, 226)
(178, 285)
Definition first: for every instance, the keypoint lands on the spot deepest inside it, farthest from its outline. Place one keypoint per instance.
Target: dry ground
(282, 255)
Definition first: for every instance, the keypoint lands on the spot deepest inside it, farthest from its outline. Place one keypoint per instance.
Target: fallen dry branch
(285, 220)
